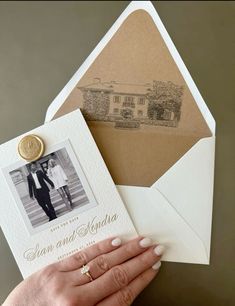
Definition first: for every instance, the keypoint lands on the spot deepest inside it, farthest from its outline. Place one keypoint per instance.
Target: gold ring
(85, 271)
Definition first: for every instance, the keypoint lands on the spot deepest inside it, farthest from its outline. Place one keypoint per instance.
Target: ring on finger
(85, 270)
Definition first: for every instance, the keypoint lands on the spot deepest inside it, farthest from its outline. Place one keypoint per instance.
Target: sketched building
(129, 105)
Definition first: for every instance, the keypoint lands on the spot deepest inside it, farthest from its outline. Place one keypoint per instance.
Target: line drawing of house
(131, 105)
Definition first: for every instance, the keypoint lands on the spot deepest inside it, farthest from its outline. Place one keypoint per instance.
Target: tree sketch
(165, 96)
(95, 105)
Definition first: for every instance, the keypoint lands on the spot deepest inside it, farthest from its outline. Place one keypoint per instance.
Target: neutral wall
(43, 43)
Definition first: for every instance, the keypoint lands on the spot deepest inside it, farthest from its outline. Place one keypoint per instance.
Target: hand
(119, 272)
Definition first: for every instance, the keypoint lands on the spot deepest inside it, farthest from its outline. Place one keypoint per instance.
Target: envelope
(153, 129)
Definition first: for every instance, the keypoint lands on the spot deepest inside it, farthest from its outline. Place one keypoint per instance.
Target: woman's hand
(119, 273)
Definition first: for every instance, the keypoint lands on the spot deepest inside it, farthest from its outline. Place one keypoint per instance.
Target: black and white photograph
(51, 188)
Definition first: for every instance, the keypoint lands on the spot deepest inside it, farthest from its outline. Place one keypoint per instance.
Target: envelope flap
(188, 187)
(154, 217)
(136, 71)
(138, 99)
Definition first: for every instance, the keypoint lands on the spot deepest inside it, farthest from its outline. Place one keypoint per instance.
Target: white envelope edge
(186, 209)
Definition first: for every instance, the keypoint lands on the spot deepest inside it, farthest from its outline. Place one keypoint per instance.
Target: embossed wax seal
(31, 147)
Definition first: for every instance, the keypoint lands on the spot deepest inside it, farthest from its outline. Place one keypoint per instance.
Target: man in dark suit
(39, 190)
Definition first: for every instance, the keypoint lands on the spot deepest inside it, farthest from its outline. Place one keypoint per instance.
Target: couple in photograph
(39, 190)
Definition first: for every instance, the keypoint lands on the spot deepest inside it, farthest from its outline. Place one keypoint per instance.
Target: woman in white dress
(60, 180)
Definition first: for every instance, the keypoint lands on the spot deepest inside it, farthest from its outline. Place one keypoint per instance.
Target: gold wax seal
(31, 147)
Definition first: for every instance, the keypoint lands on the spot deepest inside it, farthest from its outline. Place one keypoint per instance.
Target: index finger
(81, 258)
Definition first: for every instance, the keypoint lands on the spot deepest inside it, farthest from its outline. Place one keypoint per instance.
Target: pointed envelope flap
(137, 104)
(158, 219)
(188, 188)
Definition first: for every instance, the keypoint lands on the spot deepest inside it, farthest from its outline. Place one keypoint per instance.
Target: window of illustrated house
(129, 99)
(129, 102)
(140, 113)
(141, 100)
(116, 110)
(116, 99)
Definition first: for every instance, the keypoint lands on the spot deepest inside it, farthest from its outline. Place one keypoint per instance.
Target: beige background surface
(43, 43)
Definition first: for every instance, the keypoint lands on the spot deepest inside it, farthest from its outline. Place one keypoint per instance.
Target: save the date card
(56, 194)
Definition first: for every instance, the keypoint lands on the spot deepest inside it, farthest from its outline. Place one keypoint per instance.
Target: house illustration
(130, 105)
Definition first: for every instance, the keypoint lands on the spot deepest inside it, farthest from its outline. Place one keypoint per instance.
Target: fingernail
(157, 265)
(145, 242)
(116, 242)
(159, 250)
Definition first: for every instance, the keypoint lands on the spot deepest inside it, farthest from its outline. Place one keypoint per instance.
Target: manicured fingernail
(116, 242)
(145, 242)
(159, 250)
(157, 265)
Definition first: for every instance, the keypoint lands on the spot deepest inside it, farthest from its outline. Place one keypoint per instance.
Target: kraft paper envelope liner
(153, 129)
(135, 65)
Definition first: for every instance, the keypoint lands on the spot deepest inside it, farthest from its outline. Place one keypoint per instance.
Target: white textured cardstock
(102, 215)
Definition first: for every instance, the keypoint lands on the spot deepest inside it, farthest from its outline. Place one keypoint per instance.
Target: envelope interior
(137, 104)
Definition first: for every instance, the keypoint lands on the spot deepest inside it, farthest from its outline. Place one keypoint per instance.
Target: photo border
(80, 173)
